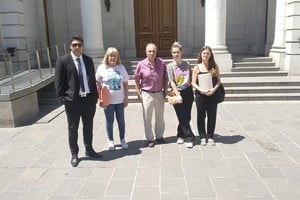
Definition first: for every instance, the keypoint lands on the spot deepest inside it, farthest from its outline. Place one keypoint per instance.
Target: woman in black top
(205, 99)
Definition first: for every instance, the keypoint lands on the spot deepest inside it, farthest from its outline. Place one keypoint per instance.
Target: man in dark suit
(76, 87)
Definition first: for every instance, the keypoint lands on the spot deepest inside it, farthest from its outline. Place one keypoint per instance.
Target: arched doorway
(155, 21)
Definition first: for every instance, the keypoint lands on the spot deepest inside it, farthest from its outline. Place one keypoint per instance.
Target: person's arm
(138, 88)
(60, 80)
(171, 82)
(125, 85)
(137, 82)
(214, 89)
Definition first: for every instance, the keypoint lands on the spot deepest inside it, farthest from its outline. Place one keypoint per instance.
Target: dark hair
(76, 37)
(211, 62)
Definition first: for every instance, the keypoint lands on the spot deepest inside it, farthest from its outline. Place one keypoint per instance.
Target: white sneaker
(203, 142)
(124, 144)
(110, 145)
(211, 142)
(180, 140)
(189, 144)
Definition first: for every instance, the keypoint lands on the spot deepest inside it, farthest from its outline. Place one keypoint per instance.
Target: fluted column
(277, 51)
(215, 32)
(292, 59)
(92, 28)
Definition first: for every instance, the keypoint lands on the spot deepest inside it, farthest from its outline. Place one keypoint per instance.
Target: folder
(104, 95)
(205, 81)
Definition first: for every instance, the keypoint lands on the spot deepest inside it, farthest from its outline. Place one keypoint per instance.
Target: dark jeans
(183, 112)
(84, 108)
(109, 115)
(206, 106)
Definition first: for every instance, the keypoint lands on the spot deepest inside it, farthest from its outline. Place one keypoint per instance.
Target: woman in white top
(113, 75)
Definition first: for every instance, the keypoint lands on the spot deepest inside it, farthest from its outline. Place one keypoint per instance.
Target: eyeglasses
(77, 45)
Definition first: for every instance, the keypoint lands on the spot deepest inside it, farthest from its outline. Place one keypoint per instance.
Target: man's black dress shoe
(161, 140)
(74, 160)
(93, 154)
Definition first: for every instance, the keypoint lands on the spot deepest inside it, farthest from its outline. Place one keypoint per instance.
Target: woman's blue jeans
(109, 115)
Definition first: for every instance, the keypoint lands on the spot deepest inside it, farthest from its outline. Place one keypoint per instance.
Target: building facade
(230, 27)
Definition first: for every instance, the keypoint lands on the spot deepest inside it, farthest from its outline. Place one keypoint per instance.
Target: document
(205, 81)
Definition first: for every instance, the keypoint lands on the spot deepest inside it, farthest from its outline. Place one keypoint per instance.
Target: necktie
(80, 74)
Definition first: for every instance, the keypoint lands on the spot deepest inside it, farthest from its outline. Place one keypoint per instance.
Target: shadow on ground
(228, 139)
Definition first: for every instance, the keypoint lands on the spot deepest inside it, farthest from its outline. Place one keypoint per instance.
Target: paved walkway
(257, 156)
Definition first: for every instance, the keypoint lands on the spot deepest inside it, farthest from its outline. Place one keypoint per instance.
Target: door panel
(155, 21)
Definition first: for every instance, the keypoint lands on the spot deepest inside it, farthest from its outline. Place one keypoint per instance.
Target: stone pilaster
(278, 49)
(215, 32)
(293, 38)
(92, 28)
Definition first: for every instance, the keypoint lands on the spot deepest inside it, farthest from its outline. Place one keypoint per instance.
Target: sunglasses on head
(77, 45)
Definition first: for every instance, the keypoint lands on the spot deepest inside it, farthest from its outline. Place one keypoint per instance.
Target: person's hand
(139, 96)
(210, 92)
(205, 92)
(100, 103)
(125, 102)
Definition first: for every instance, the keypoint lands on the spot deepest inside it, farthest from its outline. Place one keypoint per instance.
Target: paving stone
(148, 176)
(146, 193)
(269, 173)
(173, 185)
(201, 189)
(255, 189)
(120, 187)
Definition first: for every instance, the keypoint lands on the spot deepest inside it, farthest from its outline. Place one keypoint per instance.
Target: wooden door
(155, 21)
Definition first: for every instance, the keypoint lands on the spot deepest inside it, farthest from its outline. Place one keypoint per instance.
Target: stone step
(260, 81)
(243, 58)
(263, 97)
(248, 97)
(262, 89)
(254, 74)
(253, 69)
(252, 64)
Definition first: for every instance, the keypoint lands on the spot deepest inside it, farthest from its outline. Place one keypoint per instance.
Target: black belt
(151, 91)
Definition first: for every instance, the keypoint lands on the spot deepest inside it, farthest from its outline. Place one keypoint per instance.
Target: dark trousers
(84, 108)
(206, 106)
(183, 112)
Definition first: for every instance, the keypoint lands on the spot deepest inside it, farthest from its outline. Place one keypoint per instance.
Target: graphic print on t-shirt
(114, 80)
(181, 78)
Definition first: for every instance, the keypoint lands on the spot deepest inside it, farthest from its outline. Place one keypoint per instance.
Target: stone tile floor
(257, 156)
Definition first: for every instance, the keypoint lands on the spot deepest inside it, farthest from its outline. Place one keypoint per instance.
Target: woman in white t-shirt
(113, 75)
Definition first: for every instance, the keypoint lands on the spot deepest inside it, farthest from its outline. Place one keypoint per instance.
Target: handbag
(174, 99)
(220, 93)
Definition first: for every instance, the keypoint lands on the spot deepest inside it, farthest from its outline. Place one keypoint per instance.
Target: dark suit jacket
(67, 81)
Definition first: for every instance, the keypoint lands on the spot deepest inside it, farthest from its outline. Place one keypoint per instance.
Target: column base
(278, 56)
(291, 64)
(96, 54)
(222, 58)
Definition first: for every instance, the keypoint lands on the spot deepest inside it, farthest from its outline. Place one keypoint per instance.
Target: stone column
(92, 28)
(215, 32)
(293, 38)
(277, 51)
